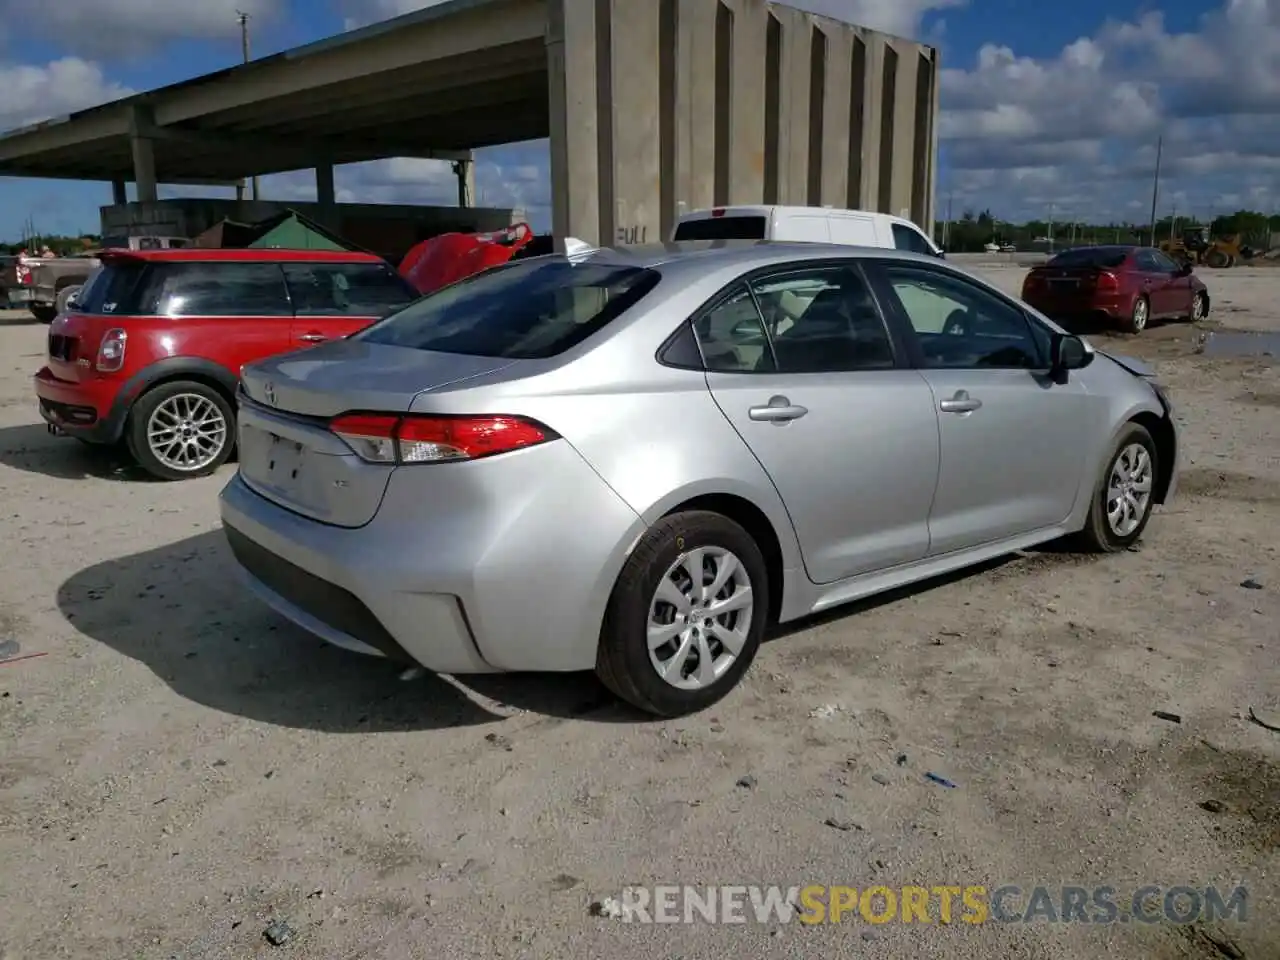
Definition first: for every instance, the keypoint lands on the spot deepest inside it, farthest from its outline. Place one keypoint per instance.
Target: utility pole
(244, 46)
(1155, 189)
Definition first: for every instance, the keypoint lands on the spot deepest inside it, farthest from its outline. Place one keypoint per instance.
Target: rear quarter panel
(230, 342)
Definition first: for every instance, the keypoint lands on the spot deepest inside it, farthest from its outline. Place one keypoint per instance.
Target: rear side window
(522, 310)
(214, 290)
(346, 289)
(722, 228)
(904, 238)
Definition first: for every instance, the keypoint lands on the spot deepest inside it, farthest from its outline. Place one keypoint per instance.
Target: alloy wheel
(699, 617)
(1129, 489)
(186, 432)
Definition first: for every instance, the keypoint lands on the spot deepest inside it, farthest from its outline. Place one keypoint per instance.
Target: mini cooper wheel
(686, 616)
(1124, 495)
(181, 430)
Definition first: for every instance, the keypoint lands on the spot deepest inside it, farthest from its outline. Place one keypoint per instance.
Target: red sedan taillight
(391, 439)
(1107, 282)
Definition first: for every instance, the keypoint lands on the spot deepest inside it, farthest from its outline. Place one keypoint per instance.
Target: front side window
(215, 289)
(959, 325)
(523, 310)
(905, 238)
(346, 289)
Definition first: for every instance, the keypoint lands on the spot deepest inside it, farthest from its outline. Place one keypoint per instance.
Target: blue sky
(1046, 107)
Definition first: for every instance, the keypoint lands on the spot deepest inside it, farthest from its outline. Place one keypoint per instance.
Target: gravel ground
(179, 768)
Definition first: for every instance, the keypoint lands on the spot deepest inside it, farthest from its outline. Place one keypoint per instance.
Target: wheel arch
(756, 522)
(1166, 441)
(168, 370)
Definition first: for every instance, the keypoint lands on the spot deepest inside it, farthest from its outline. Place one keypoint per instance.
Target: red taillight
(1032, 281)
(111, 351)
(22, 274)
(717, 213)
(381, 438)
(1107, 281)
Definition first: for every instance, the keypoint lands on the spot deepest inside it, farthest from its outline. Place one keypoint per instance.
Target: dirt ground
(179, 768)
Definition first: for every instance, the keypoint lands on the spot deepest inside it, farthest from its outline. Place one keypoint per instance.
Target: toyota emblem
(269, 392)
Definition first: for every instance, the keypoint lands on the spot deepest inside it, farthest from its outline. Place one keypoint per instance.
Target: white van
(856, 228)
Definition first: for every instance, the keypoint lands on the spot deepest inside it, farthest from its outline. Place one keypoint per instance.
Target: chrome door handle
(313, 337)
(960, 403)
(778, 410)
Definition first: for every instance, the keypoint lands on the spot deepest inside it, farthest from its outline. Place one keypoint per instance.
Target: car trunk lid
(287, 452)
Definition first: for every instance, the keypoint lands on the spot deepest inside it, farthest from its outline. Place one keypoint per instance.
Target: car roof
(241, 255)
(743, 254)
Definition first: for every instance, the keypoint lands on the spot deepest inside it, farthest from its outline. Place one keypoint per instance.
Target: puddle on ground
(1241, 344)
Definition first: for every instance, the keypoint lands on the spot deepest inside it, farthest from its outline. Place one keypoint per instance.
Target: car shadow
(32, 449)
(183, 612)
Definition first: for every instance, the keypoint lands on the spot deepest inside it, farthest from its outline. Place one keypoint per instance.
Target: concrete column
(636, 153)
(904, 129)
(931, 176)
(746, 125)
(793, 152)
(872, 102)
(839, 93)
(326, 195)
(144, 169)
(465, 171)
(118, 193)
(695, 126)
(573, 94)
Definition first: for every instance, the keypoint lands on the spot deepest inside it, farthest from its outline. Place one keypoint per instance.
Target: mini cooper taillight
(111, 351)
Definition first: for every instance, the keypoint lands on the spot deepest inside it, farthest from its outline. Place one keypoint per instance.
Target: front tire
(1124, 495)
(44, 314)
(686, 615)
(180, 430)
(1199, 308)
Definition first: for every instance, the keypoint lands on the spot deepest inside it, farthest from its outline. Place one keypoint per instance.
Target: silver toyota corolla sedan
(635, 461)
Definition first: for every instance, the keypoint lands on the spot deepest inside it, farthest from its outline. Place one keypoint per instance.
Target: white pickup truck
(44, 284)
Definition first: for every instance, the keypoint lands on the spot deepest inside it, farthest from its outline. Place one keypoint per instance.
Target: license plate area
(1064, 283)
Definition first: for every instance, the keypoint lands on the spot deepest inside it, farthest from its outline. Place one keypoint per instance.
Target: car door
(1012, 441)
(1178, 285)
(803, 365)
(1157, 283)
(335, 300)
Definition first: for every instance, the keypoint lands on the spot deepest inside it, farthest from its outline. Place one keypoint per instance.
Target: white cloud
(34, 93)
(902, 18)
(128, 28)
(1078, 130)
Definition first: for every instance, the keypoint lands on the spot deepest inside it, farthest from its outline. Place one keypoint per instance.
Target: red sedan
(1129, 286)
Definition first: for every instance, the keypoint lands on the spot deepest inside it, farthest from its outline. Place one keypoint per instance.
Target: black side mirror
(1067, 353)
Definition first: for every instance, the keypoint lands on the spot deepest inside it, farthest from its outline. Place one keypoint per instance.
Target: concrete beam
(64, 133)
(307, 148)
(464, 32)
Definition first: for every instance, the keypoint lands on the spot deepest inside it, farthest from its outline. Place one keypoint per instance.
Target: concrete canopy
(435, 83)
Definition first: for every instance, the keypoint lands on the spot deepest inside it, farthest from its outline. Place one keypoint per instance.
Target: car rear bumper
(520, 584)
(1113, 308)
(88, 410)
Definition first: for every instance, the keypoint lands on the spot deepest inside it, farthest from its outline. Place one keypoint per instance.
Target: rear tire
(1123, 495)
(1141, 314)
(656, 595)
(177, 418)
(44, 314)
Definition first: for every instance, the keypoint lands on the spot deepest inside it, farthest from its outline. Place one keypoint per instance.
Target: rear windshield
(1091, 257)
(110, 290)
(722, 228)
(522, 310)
